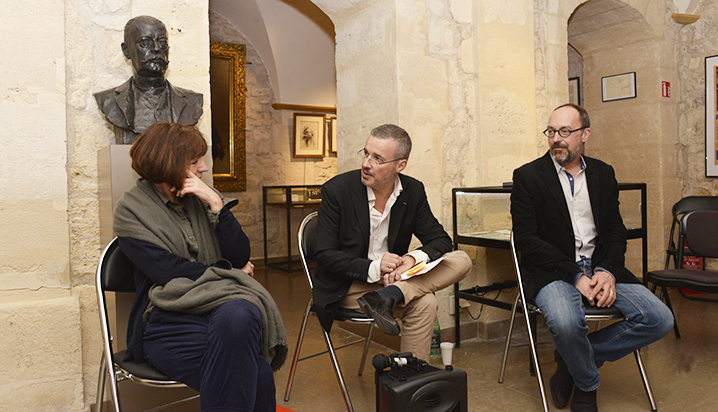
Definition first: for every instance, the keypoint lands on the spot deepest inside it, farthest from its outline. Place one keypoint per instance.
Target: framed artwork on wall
(711, 116)
(332, 131)
(619, 86)
(574, 90)
(309, 135)
(227, 76)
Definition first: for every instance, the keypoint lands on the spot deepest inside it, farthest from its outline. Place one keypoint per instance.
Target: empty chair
(698, 231)
(307, 230)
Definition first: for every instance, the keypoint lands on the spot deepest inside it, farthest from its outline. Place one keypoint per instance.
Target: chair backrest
(306, 240)
(680, 209)
(116, 272)
(701, 231)
(695, 203)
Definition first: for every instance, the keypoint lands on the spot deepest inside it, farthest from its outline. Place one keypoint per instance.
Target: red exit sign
(666, 89)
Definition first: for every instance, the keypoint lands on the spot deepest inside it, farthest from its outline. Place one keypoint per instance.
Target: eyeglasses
(563, 132)
(376, 161)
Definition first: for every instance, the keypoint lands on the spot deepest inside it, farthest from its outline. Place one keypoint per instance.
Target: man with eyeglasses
(569, 232)
(366, 221)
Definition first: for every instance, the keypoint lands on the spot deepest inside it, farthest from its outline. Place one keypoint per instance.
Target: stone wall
(693, 43)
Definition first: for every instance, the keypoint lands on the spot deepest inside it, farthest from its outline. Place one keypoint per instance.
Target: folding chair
(307, 234)
(530, 311)
(115, 273)
(698, 230)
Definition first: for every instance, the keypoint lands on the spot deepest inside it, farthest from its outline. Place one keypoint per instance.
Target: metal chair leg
(508, 337)
(101, 384)
(667, 299)
(300, 339)
(644, 377)
(113, 386)
(338, 371)
(366, 348)
(534, 355)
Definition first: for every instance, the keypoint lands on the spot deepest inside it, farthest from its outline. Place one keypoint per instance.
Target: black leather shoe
(584, 401)
(561, 384)
(382, 310)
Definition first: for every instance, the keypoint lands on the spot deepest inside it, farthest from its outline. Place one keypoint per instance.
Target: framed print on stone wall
(619, 86)
(309, 135)
(711, 116)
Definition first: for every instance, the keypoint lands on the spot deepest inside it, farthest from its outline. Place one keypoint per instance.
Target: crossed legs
(647, 320)
(418, 311)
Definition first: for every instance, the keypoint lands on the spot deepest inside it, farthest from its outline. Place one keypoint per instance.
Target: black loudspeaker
(412, 385)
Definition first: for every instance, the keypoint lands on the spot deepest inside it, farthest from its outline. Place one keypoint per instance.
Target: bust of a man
(147, 96)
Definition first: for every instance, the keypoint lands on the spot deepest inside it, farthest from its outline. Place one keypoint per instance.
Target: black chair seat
(344, 315)
(611, 311)
(140, 370)
(701, 278)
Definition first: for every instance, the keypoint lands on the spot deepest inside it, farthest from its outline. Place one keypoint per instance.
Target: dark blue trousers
(216, 354)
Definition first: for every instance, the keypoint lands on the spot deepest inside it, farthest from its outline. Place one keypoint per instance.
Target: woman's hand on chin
(194, 186)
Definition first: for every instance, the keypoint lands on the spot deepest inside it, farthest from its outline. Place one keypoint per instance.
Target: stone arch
(636, 136)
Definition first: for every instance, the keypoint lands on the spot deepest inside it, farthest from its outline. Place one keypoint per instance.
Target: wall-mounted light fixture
(685, 18)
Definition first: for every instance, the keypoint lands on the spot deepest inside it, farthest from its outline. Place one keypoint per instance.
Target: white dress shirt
(379, 232)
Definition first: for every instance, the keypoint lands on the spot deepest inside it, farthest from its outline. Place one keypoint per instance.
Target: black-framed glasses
(376, 161)
(563, 132)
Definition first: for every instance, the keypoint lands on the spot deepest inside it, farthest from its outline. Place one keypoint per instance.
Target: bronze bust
(147, 96)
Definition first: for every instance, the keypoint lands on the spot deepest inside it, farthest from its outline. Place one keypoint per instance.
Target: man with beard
(147, 97)
(366, 222)
(569, 232)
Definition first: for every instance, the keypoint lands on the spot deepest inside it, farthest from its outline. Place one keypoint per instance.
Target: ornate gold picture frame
(228, 85)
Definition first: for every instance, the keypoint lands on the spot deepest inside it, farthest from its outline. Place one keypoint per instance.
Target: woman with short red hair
(196, 317)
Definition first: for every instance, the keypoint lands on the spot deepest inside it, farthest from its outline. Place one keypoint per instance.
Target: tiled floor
(683, 372)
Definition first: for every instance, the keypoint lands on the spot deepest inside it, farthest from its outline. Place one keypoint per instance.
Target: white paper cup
(446, 349)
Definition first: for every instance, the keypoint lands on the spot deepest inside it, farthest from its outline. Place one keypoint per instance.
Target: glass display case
(287, 198)
(482, 217)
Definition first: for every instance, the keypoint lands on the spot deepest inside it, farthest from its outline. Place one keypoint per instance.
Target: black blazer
(542, 227)
(343, 236)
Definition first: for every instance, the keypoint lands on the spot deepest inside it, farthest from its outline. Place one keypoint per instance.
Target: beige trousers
(418, 312)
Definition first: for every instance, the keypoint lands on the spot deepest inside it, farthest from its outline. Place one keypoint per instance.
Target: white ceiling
(296, 43)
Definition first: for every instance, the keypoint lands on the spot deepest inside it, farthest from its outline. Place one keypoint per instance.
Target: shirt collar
(162, 197)
(560, 168)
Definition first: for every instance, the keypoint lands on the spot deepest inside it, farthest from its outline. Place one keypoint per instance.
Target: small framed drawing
(574, 90)
(309, 135)
(332, 131)
(711, 116)
(619, 86)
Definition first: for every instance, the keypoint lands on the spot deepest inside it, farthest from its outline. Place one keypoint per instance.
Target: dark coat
(343, 236)
(542, 226)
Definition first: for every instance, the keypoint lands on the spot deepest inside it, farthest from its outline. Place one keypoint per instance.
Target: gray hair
(399, 135)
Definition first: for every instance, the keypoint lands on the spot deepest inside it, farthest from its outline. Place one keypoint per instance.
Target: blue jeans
(647, 320)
